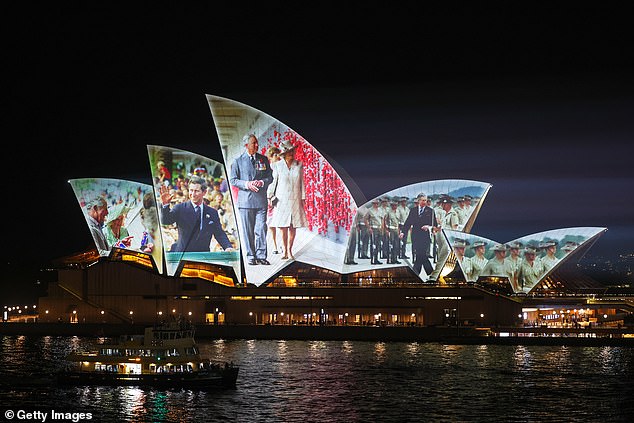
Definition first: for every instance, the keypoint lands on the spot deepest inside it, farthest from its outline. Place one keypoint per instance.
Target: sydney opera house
(273, 234)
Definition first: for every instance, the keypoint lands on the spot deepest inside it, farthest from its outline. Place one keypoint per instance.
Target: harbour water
(344, 381)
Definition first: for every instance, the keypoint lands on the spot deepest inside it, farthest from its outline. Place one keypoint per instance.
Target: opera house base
(446, 335)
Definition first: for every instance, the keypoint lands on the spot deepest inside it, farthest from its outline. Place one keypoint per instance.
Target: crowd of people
(523, 265)
(107, 209)
(195, 208)
(384, 229)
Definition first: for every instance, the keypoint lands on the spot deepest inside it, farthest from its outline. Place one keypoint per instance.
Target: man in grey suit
(251, 174)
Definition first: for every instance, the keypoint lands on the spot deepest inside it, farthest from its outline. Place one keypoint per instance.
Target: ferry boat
(166, 355)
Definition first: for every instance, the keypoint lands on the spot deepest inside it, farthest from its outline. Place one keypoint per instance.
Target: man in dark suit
(422, 220)
(196, 222)
(251, 173)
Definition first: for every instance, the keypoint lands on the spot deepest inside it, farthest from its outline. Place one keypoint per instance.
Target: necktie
(253, 161)
(197, 211)
(420, 211)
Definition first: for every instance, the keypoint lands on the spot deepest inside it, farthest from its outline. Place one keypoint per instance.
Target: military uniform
(530, 274)
(459, 246)
(403, 211)
(495, 267)
(374, 221)
(385, 207)
(477, 265)
(392, 230)
(462, 216)
(465, 265)
(549, 261)
(515, 262)
(363, 233)
(449, 221)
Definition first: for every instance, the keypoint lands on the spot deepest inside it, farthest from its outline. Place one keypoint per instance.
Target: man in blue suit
(422, 220)
(251, 174)
(196, 222)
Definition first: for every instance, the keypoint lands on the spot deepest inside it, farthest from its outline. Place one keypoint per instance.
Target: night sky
(538, 102)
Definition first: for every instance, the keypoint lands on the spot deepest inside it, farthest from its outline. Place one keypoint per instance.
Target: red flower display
(327, 199)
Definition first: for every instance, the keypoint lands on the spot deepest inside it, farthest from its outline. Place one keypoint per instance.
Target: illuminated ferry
(167, 355)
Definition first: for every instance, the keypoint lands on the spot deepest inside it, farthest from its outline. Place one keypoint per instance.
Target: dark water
(310, 381)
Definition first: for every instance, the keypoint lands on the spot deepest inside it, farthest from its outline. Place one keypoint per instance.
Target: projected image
(524, 261)
(120, 214)
(195, 209)
(403, 226)
(290, 203)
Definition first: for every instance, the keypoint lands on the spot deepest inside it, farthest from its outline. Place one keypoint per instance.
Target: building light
(250, 313)
(103, 312)
(481, 315)
(160, 313)
(74, 311)
(131, 312)
(190, 313)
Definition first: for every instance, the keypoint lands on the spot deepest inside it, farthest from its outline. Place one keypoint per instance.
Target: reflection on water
(348, 381)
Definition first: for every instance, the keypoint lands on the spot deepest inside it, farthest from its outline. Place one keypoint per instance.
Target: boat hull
(222, 379)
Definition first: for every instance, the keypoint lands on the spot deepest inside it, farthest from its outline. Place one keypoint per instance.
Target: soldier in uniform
(352, 247)
(478, 261)
(363, 233)
(468, 208)
(498, 265)
(460, 211)
(374, 221)
(531, 269)
(385, 207)
(516, 260)
(391, 224)
(403, 211)
(459, 246)
(450, 221)
(569, 247)
(549, 260)
(450, 218)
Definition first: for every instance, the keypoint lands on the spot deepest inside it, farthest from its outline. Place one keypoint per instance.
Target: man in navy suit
(251, 173)
(196, 222)
(422, 220)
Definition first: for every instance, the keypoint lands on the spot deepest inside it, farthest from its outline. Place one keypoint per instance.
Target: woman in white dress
(273, 153)
(288, 190)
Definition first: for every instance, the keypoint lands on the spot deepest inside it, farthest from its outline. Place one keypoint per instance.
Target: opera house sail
(524, 261)
(290, 203)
